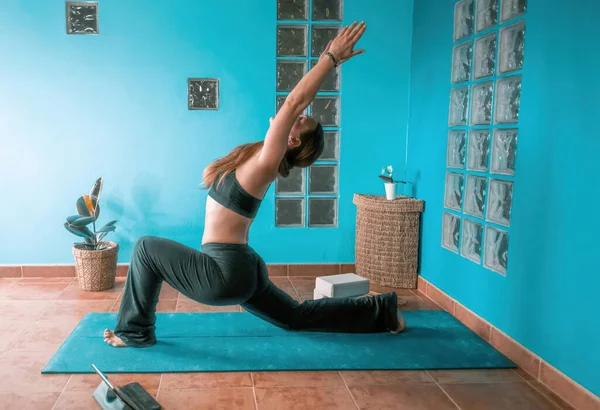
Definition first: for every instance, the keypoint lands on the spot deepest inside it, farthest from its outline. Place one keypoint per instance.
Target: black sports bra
(231, 195)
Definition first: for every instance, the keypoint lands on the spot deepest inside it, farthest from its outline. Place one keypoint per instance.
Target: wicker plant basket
(96, 270)
(387, 239)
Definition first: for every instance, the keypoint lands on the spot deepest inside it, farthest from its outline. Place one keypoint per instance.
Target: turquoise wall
(548, 299)
(73, 108)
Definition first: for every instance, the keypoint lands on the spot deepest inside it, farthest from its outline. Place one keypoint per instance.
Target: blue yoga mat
(206, 342)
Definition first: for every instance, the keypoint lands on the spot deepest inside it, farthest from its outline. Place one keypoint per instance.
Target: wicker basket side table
(387, 239)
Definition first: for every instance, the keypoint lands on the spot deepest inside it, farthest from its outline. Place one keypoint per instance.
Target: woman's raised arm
(339, 50)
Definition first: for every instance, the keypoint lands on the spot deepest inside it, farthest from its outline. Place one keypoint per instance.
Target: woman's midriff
(223, 225)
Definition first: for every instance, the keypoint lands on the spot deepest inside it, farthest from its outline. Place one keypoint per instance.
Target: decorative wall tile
(326, 110)
(512, 47)
(292, 40)
(332, 81)
(463, 19)
(203, 94)
(323, 179)
(327, 10)
(499, 202)
(512, 9)
(481, 103)
(320, 38)
(459, 102)
(495, 255)
(470, 246)
(461, 62)
(474, 196)
(485, 56)
(487, 14)
(292, 9)
(331, 150)
(453, 195)
(508, 100)
(322, 212)
(455, 154)
(450, 231)
(293, 184)
(289, 73)
(82, 17)
(289, 212)
(504, 151)
(478, 149)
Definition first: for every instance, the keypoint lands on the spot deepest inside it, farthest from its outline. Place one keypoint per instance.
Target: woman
(228, 271)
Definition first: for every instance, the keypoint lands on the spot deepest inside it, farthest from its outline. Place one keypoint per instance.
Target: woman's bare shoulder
(254, 177)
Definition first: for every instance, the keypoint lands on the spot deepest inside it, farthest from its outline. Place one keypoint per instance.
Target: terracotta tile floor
(36, 315)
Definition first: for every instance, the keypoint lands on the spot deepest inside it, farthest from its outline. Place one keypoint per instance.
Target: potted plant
(95, 259)
(390, 183)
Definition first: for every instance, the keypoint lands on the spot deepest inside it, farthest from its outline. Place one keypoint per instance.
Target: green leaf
(82, 231)
(76, 220)
(109, 227)
(95, 193)
(81, 208)
(84, 245)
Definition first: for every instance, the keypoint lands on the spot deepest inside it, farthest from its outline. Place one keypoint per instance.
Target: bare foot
(401, 324)
(111, 339)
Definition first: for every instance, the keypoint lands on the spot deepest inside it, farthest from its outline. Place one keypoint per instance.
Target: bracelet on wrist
(336, 62)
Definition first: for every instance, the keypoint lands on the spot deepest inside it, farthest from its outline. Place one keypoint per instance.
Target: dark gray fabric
(233, 196)
(232, 274)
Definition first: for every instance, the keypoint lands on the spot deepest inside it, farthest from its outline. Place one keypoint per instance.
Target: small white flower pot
(390, 190)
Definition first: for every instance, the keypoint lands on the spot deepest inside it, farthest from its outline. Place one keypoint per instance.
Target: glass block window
(450, 231)
(82, 17)
(487, 59)
(322, 179)
(328, 10)
(292, 9)
(289, 212)
(322, 212)
(203, 94)
(291, 40)
(294, 184)
(309, 197)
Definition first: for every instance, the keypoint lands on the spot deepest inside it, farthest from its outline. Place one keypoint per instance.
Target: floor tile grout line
(159, 385)
(112, 305)
(348, 390)
(546, 396)
(433, 380)
(62, 392)
(254, 390)
(447, 395)
(63, 291)
(15, 341)
(523, 379)
(433, 301)
(177, 304)
(34, 320)
(295, 290)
